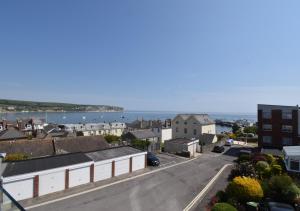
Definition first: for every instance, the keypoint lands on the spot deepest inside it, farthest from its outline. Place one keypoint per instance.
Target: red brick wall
(145, 160)
(113, 169)
(36, 186)
(92, 167)
(67, 179)
(130, 165)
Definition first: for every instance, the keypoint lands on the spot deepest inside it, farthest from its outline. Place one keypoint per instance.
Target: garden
(254, 181)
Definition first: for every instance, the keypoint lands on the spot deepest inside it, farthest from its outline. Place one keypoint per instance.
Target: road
(169, 189)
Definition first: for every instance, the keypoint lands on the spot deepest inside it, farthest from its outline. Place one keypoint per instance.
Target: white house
(292, 158)
(179, 145)
(192, 125)
(92, 129)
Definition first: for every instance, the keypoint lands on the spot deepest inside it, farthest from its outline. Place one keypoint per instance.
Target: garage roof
(292, 150)
(41, 164)
(112, 153)
(180, 141)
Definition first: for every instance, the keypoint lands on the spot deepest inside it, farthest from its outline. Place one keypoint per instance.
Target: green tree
(250, 129)
(235, 128)
(112, 138)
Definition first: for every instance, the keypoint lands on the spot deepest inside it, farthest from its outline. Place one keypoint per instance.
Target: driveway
(168, 189)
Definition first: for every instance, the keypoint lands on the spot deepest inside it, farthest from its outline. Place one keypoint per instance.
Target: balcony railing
(8, 203)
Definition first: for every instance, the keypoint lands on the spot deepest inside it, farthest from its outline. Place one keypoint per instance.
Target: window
(287, 115)
(177, 130)
(267, 127)
(176, 122)
(185, 123)
(267, 139)
(267, 114)
(185, 130)
(195, 131)
(294, 165)
(286, 141)
(287, 128)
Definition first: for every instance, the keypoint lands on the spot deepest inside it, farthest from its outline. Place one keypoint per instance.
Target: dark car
(152, 160)
(219, 149)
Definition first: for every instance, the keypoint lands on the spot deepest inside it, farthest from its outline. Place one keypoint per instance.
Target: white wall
(166, 134)
(52, 182)
(79, 176)
(20, 189)
(102, 171)
(121, 167)
(138, 162)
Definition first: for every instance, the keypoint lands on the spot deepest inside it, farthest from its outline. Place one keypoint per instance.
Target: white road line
(203, 191)
(107, 185)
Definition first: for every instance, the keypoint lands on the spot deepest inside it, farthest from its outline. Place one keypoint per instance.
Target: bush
(140, 144)
(281, 188)
(276, 169)
(245, 189)
(16, 157)
(258, 157)
(245, 169)
(270, 159)
(223, 207)
(243, 158)
(222, 196)
(112, 139)
(262, 168)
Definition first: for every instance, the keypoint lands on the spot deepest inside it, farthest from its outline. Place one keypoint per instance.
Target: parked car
(229, 142)
(219, 149)
(152, 160)
(275, 206)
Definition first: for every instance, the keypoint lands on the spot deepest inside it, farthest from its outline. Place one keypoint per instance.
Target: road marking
(166, 164)
(203, 191)
(107, 185)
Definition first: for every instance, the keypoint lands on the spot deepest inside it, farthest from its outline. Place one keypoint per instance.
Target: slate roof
(40, 164)
(48, 128)
(80, 144)
(206, 138)
(112, 153)
(33, 148)
(203, 119)
(11, 134)
(180, 141)
(143, 134)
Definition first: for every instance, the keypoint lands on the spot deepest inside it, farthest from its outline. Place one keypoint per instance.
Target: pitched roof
(48, 128)
(112, 153)
(40, 164)
(143, 134)
(32, 148)
(80, 144)
(201, 118)
(206, 138)
(11, 134)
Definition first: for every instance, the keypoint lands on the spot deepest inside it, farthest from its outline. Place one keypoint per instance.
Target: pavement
(166, 188)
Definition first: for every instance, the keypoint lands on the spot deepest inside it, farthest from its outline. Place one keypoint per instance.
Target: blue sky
(196, 55)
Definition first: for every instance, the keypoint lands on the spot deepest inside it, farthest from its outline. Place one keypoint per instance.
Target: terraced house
(278, 126)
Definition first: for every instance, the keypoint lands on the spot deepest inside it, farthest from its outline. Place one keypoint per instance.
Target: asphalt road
(169, 189)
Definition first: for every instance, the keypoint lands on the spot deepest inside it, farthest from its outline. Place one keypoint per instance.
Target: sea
(126, 116)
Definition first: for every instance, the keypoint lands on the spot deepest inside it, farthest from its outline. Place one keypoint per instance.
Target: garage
(122, 167)
(116, 161)
(102, 171)
(138, 162)
(79, 176)
(182, 145)
(51, 182)
(20, 189)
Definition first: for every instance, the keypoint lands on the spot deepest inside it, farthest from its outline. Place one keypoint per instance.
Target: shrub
(223, 207)
(245, 189)
(140, 144)
(243, 169)
(281, 188)
(270, 159)
(258, 157)
(262, 168)
(222, 196)
(276, 169)
(112, 139)
(16, 157)
(243, 158)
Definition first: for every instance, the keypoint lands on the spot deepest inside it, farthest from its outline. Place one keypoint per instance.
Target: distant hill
(31, 106)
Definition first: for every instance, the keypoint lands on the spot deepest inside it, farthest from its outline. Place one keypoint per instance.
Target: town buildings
(192, 125)
(278, 126)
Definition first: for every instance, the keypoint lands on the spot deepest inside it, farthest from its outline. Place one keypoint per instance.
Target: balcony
(8, 203)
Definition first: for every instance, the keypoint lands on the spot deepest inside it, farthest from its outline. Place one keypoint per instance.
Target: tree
(140, 144)
(262, 168)
(245, 189)
(112, 139)
(223, 207)
(235, 128)
(250, 129)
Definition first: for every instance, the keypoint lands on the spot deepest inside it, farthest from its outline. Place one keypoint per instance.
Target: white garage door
(52, 182)
(121, 167)
(102, 171)
(21, 189)
(79, 176)
(138, 162)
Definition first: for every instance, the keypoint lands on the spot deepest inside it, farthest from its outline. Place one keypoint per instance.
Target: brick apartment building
(278, 126)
